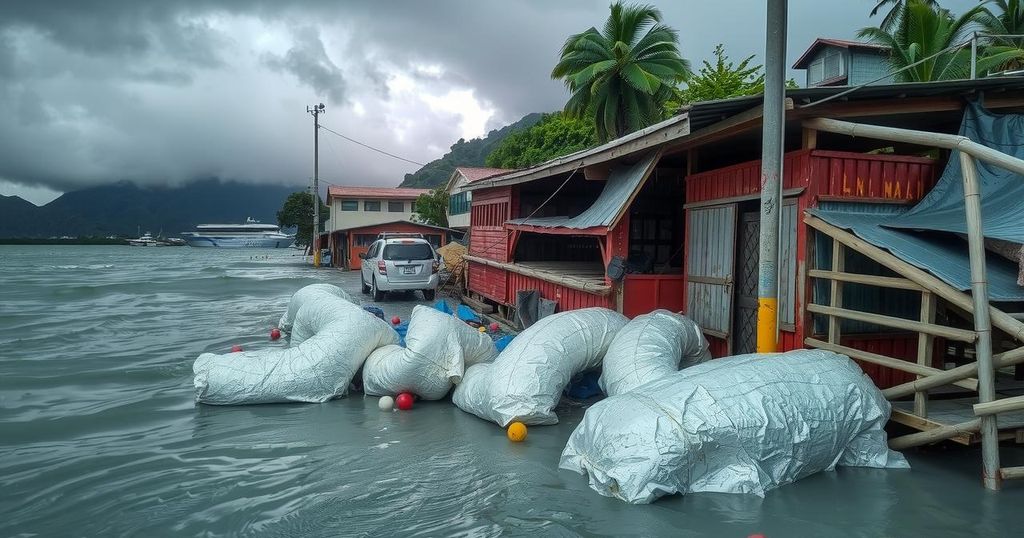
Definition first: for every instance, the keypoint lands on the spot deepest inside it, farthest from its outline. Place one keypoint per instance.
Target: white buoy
(386, 403)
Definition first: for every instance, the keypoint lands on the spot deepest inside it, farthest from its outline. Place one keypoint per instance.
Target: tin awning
(624, 181)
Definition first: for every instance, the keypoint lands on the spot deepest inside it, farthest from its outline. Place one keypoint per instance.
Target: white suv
(400, 262)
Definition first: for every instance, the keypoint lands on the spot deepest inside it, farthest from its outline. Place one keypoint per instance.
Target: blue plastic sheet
(442, 305)
(401, 329)
(503, 341)
(466, 313)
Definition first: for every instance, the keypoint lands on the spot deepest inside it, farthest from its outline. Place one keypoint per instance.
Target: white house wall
(349, 219)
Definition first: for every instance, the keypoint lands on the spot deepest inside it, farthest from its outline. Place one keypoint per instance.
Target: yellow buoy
(482, 329)
(516, 432)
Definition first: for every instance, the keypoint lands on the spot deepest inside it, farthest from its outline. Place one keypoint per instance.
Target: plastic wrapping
(438, 347)
(650, 347)
(303, 296)
(744, 424)
(330, 340)
(526, 381)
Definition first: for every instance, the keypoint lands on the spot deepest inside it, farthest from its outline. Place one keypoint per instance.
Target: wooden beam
(810, 139)
(870, 280)
(888, 362)
(562, 280)
(911, 420)
(835, 292)
(788, 193)
(960, 335)
(934, 435)
(1001, 405)
(947, 377)
(1000, 319)
(1011, 473)
(925, 345)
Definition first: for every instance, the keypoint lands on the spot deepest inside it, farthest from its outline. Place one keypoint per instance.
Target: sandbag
(438, 347)
(743, 424)
(650, 347)
(302, 296)
(330, 340)
(527, 378)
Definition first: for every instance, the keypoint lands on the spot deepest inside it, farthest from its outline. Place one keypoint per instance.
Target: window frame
(401, 206)
(367, 206)
(348, 203)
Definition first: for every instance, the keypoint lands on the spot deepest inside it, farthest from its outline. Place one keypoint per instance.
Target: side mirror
(362, 255)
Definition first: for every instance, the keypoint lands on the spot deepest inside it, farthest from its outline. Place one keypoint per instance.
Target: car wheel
(378, 295)
(366, 289)
(428, 295)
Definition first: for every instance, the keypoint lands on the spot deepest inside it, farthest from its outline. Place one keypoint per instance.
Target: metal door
(710, 263)
(745, 339)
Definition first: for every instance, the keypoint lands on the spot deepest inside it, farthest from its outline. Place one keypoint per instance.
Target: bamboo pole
(982, 323)
(951, 333)
(564, 280)
(888, 362)
(934, 435)
(947, 377)
(1011, 473)
(1002, 405)
(870, 280)
(925, 344)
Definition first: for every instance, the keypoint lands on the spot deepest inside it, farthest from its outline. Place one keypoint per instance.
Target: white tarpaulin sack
(650, 347)
(744, 424)
(331, 338)
(526, 381)
(304, 295)
(438, 349)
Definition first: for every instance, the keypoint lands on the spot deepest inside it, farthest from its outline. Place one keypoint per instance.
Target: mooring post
(772, 146)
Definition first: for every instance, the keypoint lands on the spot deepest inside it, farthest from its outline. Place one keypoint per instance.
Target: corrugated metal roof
(373, 192)
(623, 182)
(943, 256)
(477, 173)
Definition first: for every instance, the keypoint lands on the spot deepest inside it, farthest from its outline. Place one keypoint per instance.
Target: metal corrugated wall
(710, 265)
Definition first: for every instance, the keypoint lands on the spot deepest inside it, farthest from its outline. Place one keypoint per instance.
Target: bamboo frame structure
(977, 304)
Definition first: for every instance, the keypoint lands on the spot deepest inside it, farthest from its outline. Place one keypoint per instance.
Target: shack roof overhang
(700, 123)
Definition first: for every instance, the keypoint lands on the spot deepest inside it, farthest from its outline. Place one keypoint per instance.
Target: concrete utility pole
(772, 147)
(316, 110)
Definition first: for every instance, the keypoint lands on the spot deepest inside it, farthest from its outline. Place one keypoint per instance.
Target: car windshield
(408, 251)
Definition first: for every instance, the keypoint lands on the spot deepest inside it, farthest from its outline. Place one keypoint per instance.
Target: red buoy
(756, 536)
(236, 348)
(396, 320)
(494, 327)
(275, 333)
(404, 401)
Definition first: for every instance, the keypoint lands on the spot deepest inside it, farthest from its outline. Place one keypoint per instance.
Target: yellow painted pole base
(767, 325)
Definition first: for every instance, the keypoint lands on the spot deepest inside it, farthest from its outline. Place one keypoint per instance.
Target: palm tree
(891, 19)
(922, 30)
(1008, 20)
(623, 75)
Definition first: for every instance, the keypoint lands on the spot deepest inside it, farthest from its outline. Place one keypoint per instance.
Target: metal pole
(772, 147)
(974, 55)
(314, 241)
(982, 322)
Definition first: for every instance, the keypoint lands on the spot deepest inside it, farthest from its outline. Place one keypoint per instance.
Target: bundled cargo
(305, 294)
(744, 424)
(331, 337)
(526, 380)
(650, 347)
(438, 349)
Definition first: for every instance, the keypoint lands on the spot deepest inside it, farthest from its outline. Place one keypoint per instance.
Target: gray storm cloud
(164, 92)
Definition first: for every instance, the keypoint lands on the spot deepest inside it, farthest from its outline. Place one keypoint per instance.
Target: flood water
(99, 434)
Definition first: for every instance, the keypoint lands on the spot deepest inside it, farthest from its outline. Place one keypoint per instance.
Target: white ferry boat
(252, 234)
(146, 240)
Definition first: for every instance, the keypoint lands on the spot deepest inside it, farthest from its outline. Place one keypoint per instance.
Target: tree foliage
(432, 207)
(622, 76)
(1006, 19)
(918, 29)
(723, 79)
(298, 211)
(556, 135)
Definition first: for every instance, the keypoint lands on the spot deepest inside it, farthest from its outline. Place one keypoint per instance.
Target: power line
(367, 146)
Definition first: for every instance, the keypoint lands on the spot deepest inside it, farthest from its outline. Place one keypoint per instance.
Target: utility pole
(316, 110)
(772, 147)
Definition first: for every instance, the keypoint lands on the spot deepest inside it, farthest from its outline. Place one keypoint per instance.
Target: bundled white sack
(744, 424)
(650, 347)
(331, 339)
(306, 294)
(526, 381)
(438, 348)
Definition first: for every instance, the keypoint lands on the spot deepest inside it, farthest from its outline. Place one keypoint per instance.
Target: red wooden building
(677, 204)
(347, 244)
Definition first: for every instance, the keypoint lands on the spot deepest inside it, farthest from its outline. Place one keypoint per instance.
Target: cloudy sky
(167, 91)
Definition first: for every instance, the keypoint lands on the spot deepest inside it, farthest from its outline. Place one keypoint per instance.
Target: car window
(373, 250)
(408, 251)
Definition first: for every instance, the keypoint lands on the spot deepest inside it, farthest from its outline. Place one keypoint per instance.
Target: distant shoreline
(56, 241)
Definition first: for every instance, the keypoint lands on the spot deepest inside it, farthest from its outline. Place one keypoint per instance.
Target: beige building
(353, 207)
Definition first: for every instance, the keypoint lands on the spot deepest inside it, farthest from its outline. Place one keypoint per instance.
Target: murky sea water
(99, 435)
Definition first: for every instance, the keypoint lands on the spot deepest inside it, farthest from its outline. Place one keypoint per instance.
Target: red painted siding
(567, 298)
(644, 293)
(488, 237)
(488, 281)
(401, 227)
